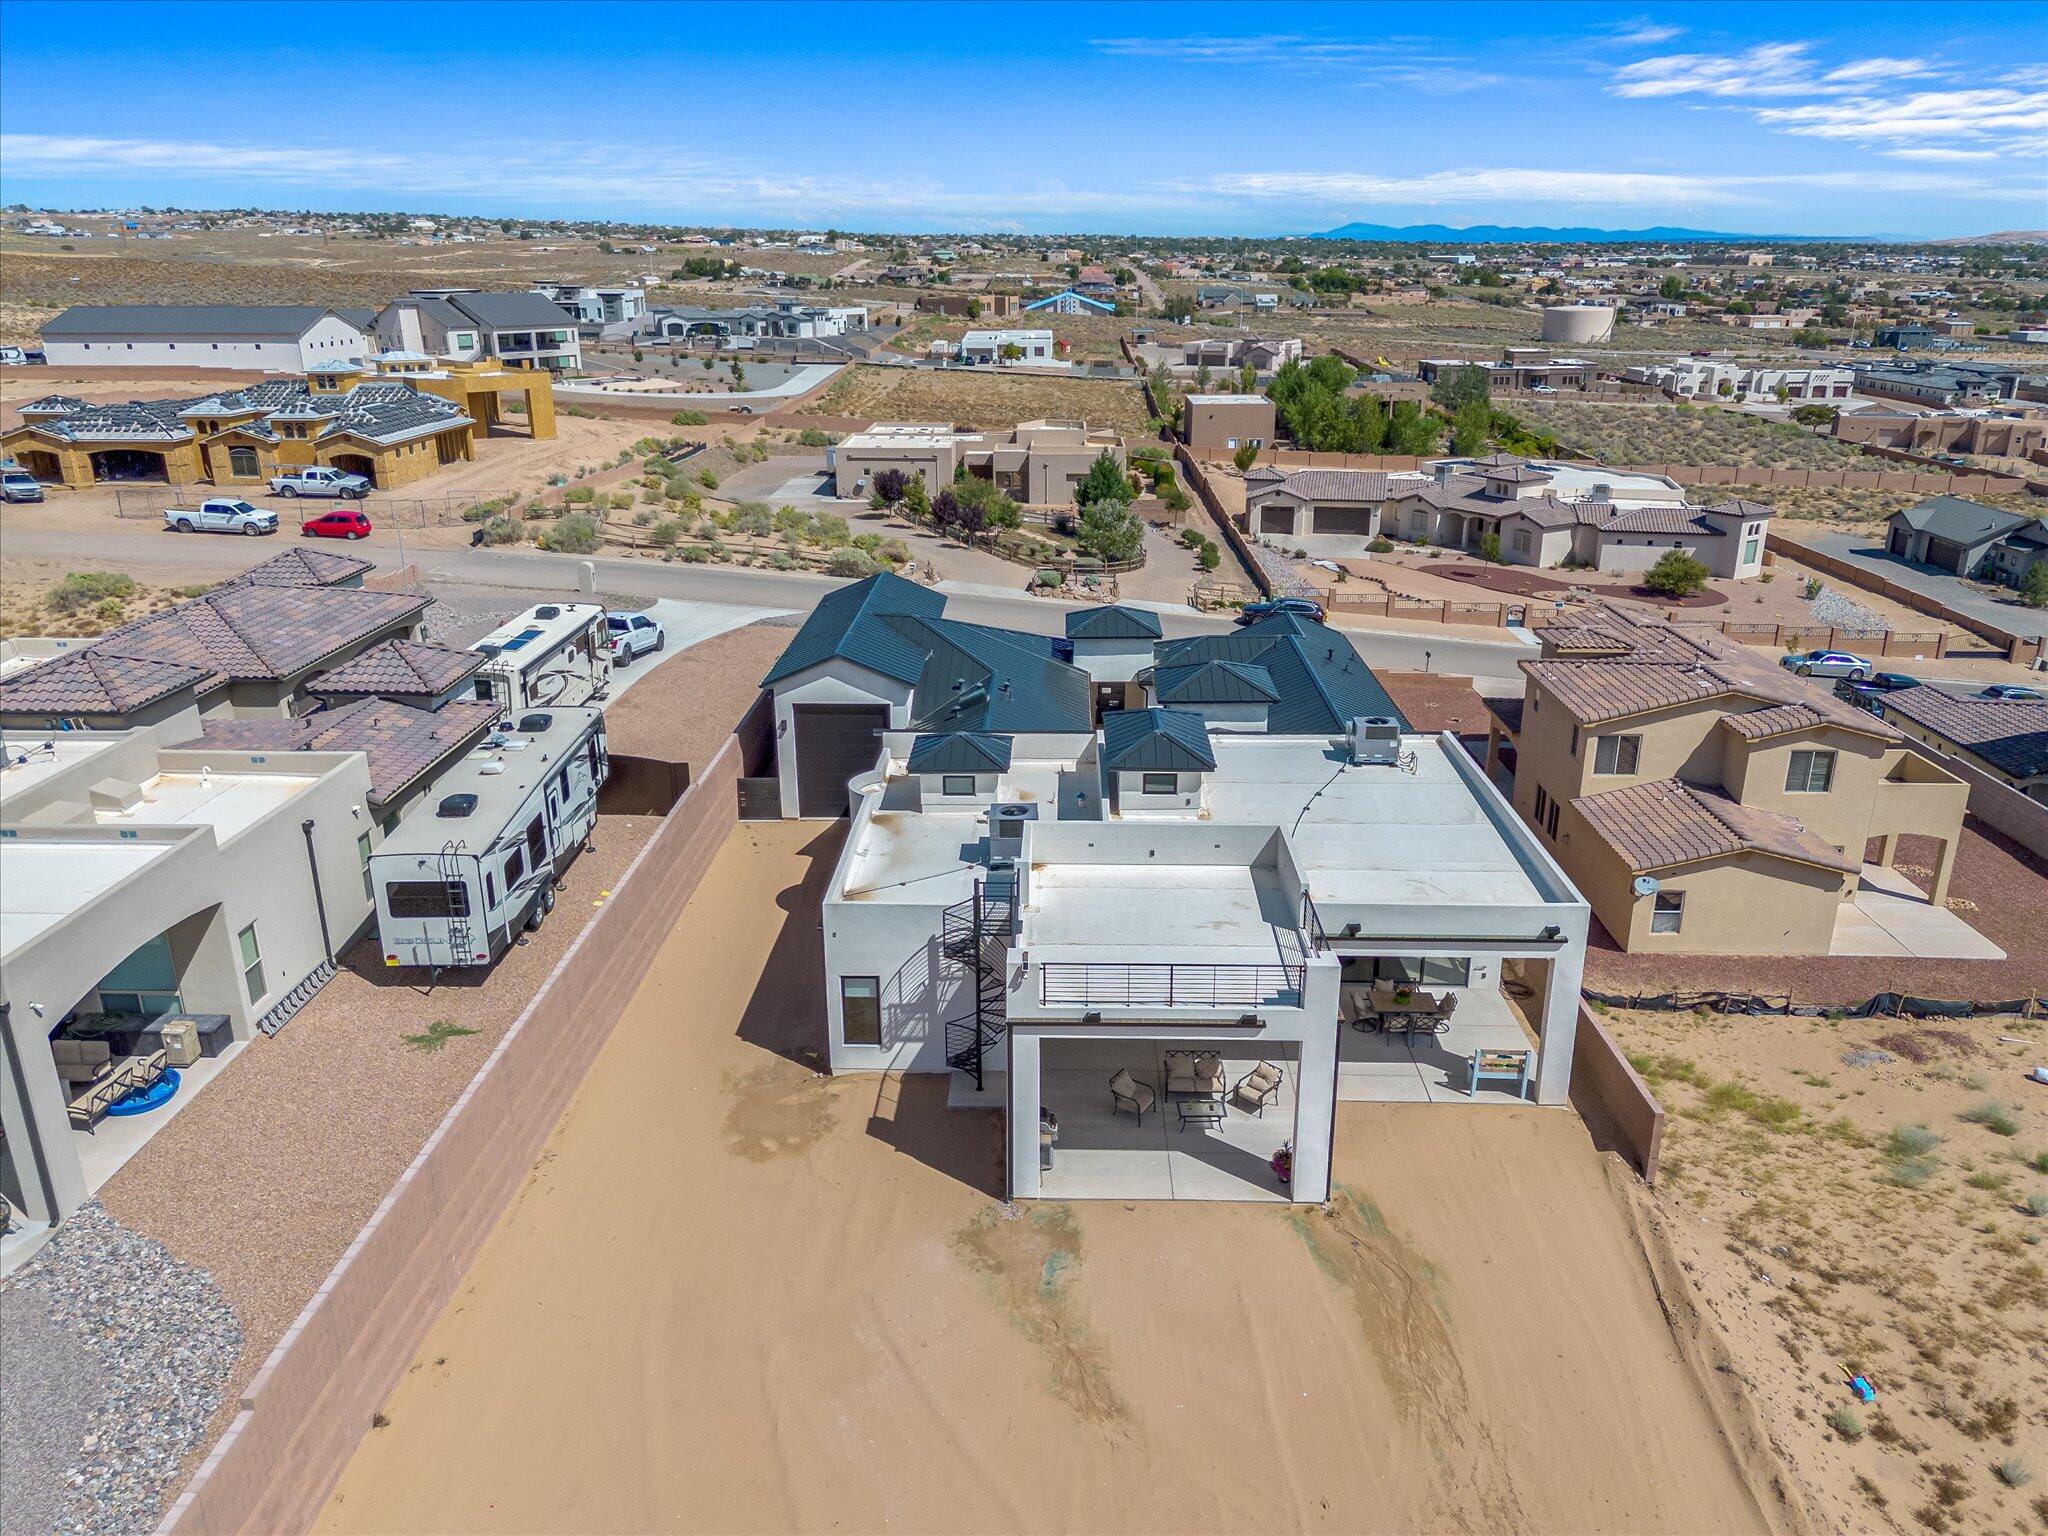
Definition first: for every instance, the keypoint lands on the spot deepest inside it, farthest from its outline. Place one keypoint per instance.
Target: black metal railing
(976, 934)
(1157, 985)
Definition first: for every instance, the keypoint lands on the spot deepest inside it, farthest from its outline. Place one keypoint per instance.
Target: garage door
(1356, 520)
(1945, 553)
(834, 742)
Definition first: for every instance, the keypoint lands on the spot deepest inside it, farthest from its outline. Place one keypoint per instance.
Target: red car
(338, 524)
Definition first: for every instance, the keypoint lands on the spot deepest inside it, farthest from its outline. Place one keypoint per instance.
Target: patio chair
(89, 1103)
(1197, 1073)
(1126, 1092)
(1259, 1087)
(141, 1071)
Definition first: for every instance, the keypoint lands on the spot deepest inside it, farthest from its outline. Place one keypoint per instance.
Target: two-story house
(525, 330)
(1705, 801)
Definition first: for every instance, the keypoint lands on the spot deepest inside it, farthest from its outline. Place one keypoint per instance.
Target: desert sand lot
(735, 1295)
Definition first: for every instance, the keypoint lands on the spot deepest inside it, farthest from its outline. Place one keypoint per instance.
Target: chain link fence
(148, 504)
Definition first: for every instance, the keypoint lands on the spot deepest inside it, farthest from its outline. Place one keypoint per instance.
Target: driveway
(1889, 915)
(683, 624)
(2007, 613)
(788, 480)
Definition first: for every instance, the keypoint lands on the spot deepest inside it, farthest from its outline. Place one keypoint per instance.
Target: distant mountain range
(1512, 234)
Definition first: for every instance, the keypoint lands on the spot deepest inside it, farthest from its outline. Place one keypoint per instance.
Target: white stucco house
(283, 338)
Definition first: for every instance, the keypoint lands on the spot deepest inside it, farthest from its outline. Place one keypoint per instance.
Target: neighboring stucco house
(1038, 463)
(1704, 800)
(1968, 539)
(1225, 423)
(2005, 738)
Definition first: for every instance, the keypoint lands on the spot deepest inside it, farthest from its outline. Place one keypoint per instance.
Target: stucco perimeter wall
(1615, 1103)
(306, 1411)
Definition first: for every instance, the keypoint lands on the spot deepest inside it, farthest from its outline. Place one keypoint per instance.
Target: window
(1575, 741)
(1542, 807)
(860, 1007)
(252, 962)
(1751, 550)
(242, 461)
(536, 842)
(1667, 912)
(1522, 541)
(428, 898)
(1423, 970)
(363, 857)
(1160, 784)
(956, 784)
(1810, 773)
(515, 866)
(1617, 754)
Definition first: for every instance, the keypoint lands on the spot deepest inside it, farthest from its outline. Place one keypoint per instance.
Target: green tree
(1470, 425)
(917, 501)
(1411, 431)
(1247, 380)
(1676, 574)
(1109, 531)
(1673, 287)
(1489, 548)
(2034, 585)
(1245, 457)
(1105, 481)
(1459, 387)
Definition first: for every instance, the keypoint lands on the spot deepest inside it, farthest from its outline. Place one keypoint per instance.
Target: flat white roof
(227, 802)
(1574, 482)
(31, 759)
(1222, 914)
(44, 881)
(1226, 399)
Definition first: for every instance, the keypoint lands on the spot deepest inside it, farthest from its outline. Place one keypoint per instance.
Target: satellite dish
(1646, 885)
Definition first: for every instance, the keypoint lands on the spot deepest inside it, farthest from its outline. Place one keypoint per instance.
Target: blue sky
(1165, 118)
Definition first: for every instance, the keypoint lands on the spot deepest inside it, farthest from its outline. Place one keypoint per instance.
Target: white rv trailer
(552, 654)
(460, 877)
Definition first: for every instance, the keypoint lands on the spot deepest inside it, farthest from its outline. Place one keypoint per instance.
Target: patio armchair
(90, 1102)
(139, 1072)
(1197, 1073)
(1126, 1092)
(1259, 1087)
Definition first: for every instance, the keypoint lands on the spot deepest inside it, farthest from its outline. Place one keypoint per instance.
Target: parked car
(1307, 607)
(221, 514)
(1827, 664)
(633, 634)
(337, 525)
(19, 485)
(320, 481)
(1542, 389)
(2010, 691)
(1863, 692)
(13, 357)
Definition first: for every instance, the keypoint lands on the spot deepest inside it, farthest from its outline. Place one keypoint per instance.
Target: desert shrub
(811, 437)
(576, 535)
(895, 551)
(1846, 1422)
(644, 516)
(1210, 558)
(694, 554)
(2014, 1472)
(2035, 1205)
(1245, 457)
(688, 419)
(1911, 1141)
(580, 495)
(1994, 1117)
(1676, 574)
(1174, 499)
(1381, 545)
(1193, 538)
(707, 479)
(1489, 547)
(504, 529)
(89, 589)
(668, 532)
(849, 562)
(620, 500)
(831, 530)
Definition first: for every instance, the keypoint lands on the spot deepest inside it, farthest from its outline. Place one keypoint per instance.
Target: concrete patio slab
(1889, 915)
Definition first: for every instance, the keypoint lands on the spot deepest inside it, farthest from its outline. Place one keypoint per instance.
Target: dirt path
(738, 1296)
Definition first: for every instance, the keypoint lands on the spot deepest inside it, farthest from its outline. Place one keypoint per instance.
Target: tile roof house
(404, 744)
(1705, 800)
(411, 671)
(1541, 513)
(243, 649)
(2005, 738)
(1285, 675)
(301, 566)
(84, 690)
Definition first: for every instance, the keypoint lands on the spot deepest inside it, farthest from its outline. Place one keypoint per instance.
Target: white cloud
(1863, 70)
(1769, 69)
(1410, 63)
(1640, 33)
(1930, 115)
(1941, 156)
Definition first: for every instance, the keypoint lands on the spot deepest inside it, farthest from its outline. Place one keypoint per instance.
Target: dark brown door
(834, 743)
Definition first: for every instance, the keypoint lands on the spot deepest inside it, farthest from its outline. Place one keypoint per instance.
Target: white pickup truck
(320, 481)
(221, 514)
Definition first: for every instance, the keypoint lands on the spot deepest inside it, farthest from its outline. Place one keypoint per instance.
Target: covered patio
(1418, 1059)
(1173, 1149)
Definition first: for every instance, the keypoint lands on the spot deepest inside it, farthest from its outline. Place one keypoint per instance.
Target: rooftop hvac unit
(1374, 739)
(1006, 829)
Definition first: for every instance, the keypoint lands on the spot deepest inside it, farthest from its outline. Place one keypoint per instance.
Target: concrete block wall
(303, 1416)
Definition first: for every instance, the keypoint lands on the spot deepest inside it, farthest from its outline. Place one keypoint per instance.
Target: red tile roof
(86, 683)
(401, 742)
(257, 632)
(1664, 823)
(398, 669)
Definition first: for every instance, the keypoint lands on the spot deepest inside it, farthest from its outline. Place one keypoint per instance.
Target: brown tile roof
(303, 568)
(1330, 484)
(1663, 823)
(1597, 691)
(1785, 719)
(258, 632)
(398, 668)
(1658, 520)
(86, 683)
(2009, 734)
(401, 742)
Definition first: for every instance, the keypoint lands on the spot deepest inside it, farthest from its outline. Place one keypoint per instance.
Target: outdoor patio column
(1492, 747)
(1315, 1114)
(1887, 846)
(1560, 1026)
(1023, 1115)
(1943, 868)
(36, 1122)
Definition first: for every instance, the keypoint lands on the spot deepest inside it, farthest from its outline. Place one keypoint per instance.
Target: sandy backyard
(735, 1295)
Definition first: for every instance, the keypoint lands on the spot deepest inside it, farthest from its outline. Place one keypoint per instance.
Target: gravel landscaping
(117, 1357)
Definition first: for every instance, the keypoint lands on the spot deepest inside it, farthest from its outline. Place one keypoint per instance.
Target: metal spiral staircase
(975, 935)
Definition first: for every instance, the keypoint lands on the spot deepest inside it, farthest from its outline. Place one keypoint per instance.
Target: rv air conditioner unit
(547, 611)
(1374, 739)
(455, 805)
(1006, 829)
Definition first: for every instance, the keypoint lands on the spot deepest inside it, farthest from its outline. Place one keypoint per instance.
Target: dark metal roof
(257, 321)
(960, 752)
(511, 311)
(1960, 521)
(1113, 623)
(1323, 683)
(976, 678)
(1214, 682)
(847, 624)
(1163, 740)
